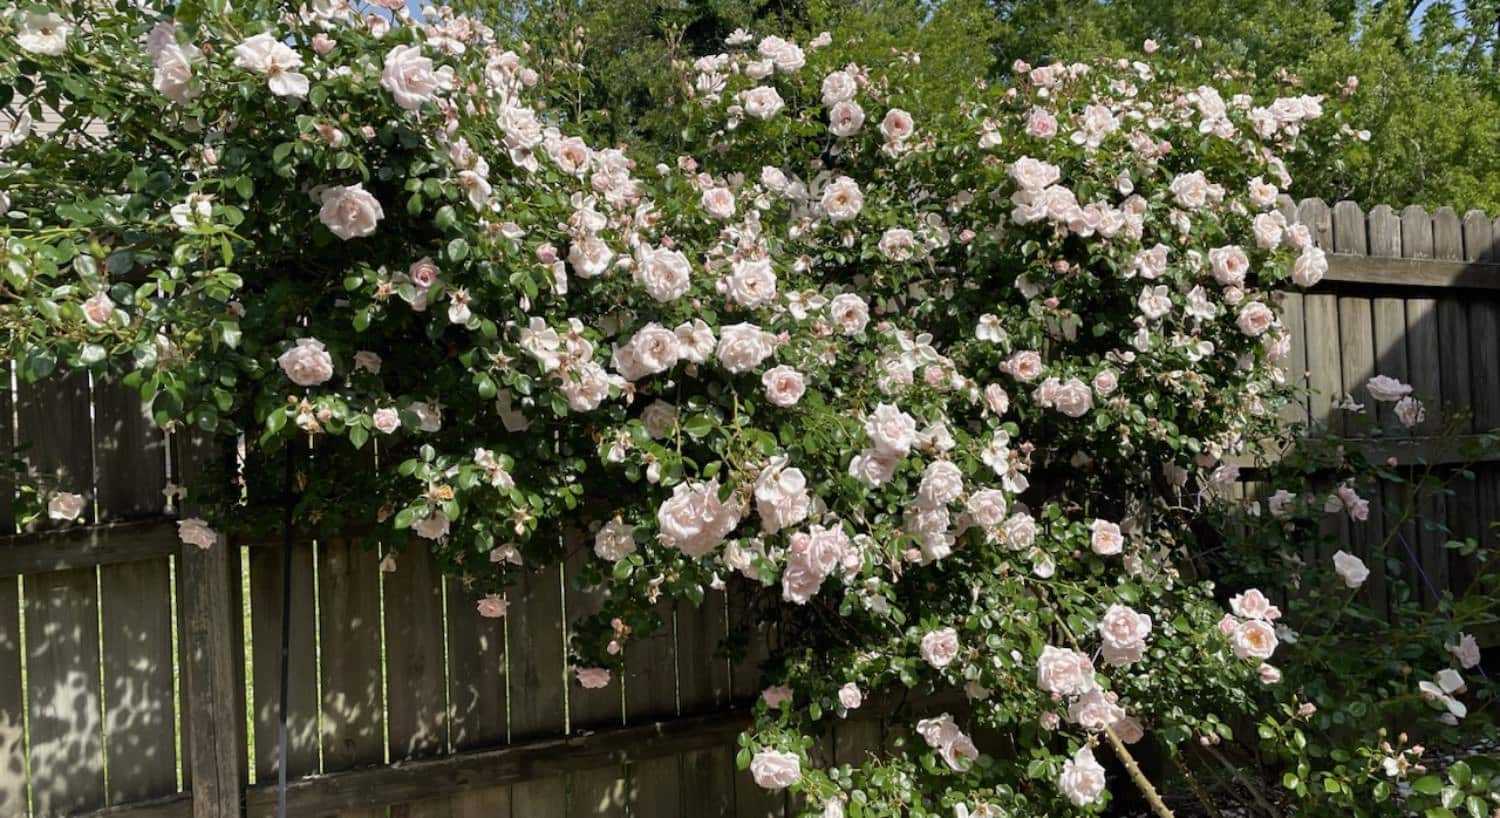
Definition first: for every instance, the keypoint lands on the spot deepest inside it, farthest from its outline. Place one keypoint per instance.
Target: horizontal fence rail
(140, 678)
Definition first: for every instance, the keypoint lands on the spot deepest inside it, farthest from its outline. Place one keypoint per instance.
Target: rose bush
(918, 388)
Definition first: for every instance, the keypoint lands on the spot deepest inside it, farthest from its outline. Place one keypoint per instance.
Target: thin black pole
(286, 631)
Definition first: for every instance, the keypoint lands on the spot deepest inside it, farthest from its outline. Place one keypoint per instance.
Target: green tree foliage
(1429, 93)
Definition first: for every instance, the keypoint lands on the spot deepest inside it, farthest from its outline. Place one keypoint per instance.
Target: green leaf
(458, 249)
(1428, 785)
(1460, 774)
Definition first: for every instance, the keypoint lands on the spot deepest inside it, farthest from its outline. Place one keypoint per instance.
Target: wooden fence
(140, 678)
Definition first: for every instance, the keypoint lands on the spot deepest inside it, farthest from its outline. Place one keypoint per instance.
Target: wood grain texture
(353, 710)
(476, 672)
(130, 472)
(62, 625)
(535, 682)
(416, 673)
(213, 690)
(534, 769)
(302, 693)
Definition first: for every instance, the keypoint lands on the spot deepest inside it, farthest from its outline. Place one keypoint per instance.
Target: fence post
(207, 581)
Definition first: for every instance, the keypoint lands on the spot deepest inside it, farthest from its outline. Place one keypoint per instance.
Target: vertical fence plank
(651, 693)
(602, 791)
(476, 693)
(1320, 317)
(416, 676)
(1387, 236)
(703, 686)
(135, 603)
(1293, 308)
(1357, 365)
(62, 625)
(536, 665)
(353, 714)
(302, 691)
(1424, 374)
(1484, 329)
(416, 673)
(212, 641)
(746, 682)
(12, 699)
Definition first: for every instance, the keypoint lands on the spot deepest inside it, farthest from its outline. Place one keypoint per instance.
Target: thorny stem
(1255, 794)
(1198, 791)
(1142, 783)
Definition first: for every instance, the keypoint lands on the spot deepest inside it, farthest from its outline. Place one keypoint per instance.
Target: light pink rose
(1041, 124)
(1129, 730)
(423, 272)
(850, 696)
(1230, 264)
(1123, 632)
(386, 420)
(775, 695)
(196, 532)
(742, 347)
(492, 606)
(65, 506)
(845, 118)
(987, 507)
(1033, 174)
(940, 647)
(839, 86)
(1073, 398)
(1310, 267)
(368, 361)
(1466, 651)
(873, 466)
(1351, 569)
(307, 363)
(172, 73)
(99, 309)
(593, 678)
(1094, 711)
(1082, 778)
(1064, 672)
(897, 126)
(784, 385)
(753, 283)
(1387, 389)
(762, 102)
(266, 55)
(1190, 190)
(781, 498)
(1269, 674)
(1253, 604)
(615, 541)
(1105, 538)
(433, 527)
(775, 770)
(1268, 228)
(718, 202)
(891, 430)
(665, 274)
(1019, 530)
(849, 312)
(1255, 318)
(694, 519)
(349, 211)
(410, 79)
(842, 199)
(942, 734)
(1024, 366)
(1253, 639)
